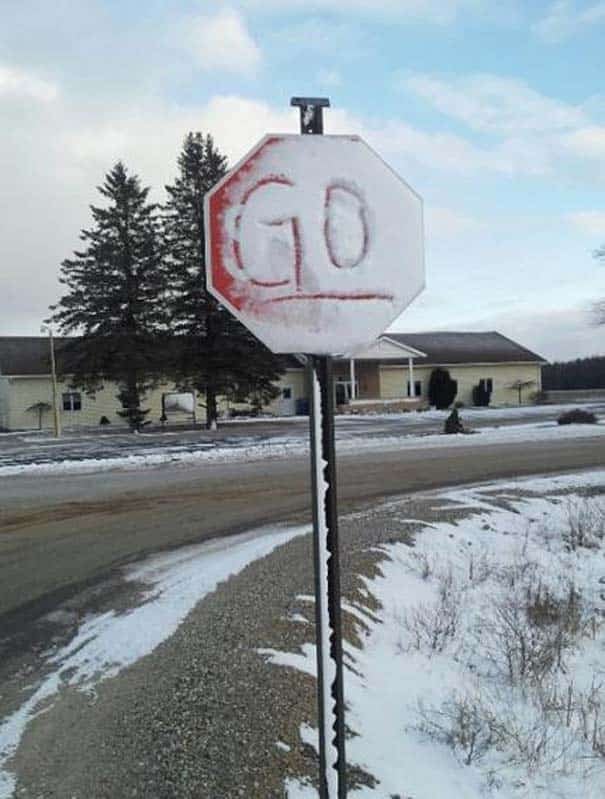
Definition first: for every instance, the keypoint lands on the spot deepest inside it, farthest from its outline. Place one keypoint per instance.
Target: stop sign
(314, 243)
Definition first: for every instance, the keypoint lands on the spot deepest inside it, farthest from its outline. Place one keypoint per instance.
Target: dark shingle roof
(451, 348)
(27, 355)
(30, 355)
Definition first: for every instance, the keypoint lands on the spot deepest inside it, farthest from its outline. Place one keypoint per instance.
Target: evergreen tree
(218, 355)
(442, 389)
(578, 374)
(114, 293)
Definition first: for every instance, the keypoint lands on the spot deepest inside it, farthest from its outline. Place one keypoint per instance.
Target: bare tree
(598, 308)
(519, 385)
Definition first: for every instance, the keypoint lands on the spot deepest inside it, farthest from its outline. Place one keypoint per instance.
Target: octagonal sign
(314, 243)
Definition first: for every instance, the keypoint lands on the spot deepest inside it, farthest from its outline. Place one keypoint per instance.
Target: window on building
(286, 393)
(72, 401)
(487, 384)
(417, 388)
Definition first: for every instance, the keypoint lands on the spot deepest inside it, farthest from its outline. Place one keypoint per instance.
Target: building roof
(27, 355)
(457, 348)
(385, 349)
(30, 355)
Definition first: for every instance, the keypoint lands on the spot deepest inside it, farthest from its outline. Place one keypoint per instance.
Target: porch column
(411, 377)
(352, 370)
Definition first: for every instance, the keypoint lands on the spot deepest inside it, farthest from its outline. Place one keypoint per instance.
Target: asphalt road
(59, 534)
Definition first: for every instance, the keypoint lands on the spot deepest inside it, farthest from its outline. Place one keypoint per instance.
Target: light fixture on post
(53, 370)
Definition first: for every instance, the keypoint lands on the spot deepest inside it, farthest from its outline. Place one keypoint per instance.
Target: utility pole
(53, 370)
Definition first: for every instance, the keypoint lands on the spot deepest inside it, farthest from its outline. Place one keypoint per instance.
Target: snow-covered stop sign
(314, 243)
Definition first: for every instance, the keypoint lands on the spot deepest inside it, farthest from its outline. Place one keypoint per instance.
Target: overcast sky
(493, 112)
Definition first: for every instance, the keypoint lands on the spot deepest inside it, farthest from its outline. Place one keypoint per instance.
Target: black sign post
(332, 763)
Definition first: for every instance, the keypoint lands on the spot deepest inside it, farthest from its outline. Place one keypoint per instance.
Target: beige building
(26, 394)
(510, 371)
(394, 372)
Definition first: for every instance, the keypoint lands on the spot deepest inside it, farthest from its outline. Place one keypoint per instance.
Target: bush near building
(442, 389)
(577, 416)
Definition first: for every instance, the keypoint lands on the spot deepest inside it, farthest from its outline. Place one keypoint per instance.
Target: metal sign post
(332, 763)
(316, 245)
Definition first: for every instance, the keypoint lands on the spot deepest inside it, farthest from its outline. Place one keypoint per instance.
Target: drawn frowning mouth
(329, 295)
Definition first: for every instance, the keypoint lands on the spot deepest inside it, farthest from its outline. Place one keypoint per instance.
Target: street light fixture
(53, 370)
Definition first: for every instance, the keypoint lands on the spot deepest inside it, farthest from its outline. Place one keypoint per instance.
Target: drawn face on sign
(314, 243)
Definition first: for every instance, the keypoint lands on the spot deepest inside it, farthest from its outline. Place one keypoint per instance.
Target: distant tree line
(136, 297)
(578, 374)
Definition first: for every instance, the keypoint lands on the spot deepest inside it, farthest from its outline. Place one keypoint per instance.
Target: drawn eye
(345, 226)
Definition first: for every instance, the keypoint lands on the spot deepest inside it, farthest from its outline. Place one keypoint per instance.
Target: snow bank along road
(36, 453)
(194, 676)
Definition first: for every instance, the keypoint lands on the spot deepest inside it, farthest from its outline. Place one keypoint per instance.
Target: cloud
(222, 43)
(587, 142)
(439, 12)
(590, 222)
(446, 223)
(532, 134)
(557, 334)
(494, 104)
(442, 151)
(554, 333)
(329, 77)
(563, 20)
(15, 83)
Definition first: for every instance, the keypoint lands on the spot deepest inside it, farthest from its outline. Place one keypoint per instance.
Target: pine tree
(219, 356)
(114, 296)
(442, 389)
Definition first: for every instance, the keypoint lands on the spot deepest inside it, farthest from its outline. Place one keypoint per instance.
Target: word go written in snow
(300, 243)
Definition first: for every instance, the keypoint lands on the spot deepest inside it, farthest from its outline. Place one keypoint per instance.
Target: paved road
(61, 533)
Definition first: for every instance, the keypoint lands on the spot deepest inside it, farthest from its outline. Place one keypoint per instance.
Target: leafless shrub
(422, 564)
(472, 725)
(461, 723)
(520, 572)
(584, 523)
(516, 650)
(590, 708)
(431, 626)
(480, 568)
(526, 633)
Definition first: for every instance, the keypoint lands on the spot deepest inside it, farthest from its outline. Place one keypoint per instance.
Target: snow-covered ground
(480, 414)
(432, 655)
(292, 445)
(484, 674)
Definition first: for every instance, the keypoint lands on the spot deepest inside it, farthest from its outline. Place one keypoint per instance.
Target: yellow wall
(393, 381)
(23, 392)
(4, 403)
(19, 393)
